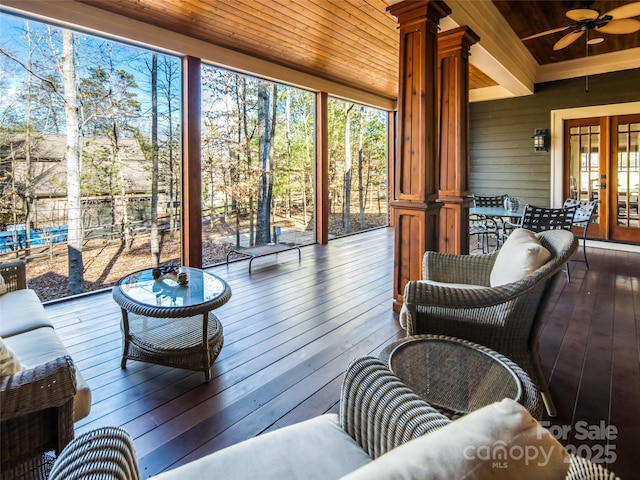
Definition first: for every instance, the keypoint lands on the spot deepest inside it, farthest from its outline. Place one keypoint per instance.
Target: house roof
(49, 168)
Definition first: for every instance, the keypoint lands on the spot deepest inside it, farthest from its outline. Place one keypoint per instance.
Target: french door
(602, 162)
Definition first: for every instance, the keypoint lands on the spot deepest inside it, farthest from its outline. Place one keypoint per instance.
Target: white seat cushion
(499, 441)
(316, 449)
(21, 311)
(521, 254)
(42, 345)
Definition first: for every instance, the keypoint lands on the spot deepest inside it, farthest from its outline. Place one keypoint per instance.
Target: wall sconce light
(541, 140)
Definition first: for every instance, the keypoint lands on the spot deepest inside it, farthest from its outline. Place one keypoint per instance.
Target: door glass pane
(628, 175)
(585, 163)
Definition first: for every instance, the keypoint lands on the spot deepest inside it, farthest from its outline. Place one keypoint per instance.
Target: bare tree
(170, 78)
(361, 188)
(266, 130)
(154, 246)
(74, 167)
(28, 187)
(347, 169)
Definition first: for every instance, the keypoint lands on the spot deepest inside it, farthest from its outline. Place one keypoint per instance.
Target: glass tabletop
(201, 287)
(452, 375)
(495, 212)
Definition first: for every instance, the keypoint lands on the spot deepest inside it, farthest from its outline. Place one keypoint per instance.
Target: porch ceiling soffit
(500, 54)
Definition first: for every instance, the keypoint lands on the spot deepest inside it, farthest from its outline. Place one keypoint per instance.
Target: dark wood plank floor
(292, 327)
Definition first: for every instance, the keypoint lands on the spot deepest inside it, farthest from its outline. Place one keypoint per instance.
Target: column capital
(411, 11)
(456, 39)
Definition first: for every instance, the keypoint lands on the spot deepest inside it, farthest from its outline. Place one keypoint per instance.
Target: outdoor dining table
(497, 212)
(507, 218)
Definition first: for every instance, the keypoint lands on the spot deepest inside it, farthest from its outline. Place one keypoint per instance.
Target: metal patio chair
(486, 227)
(582, 218)
(541, 219)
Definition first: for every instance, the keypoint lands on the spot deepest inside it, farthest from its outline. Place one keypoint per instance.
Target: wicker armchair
(376, 409)
(36, 406)
(506, 319)
(37, 417)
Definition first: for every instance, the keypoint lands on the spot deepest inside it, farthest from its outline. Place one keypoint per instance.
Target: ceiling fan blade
(568, 39)
(578, 14)
(625, 11)
(546, 32)
(627, 25)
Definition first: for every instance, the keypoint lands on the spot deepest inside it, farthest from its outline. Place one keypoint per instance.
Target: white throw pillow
(499, 441)
(521, 254)
(9, 363)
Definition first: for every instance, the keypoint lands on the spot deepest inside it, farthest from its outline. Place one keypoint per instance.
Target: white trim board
(557, 137)
(623, 247)
(557, 147)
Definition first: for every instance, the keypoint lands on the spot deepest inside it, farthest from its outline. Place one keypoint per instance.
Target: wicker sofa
(40, 402)
(383, 430)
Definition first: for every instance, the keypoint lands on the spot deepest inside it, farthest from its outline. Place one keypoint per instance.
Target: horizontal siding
(501, 147)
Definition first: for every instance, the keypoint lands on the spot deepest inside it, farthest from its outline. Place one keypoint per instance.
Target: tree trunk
(266, 126)
(74, 167)
(154, 244)
(309, 161)
(346, 207)
(173, 181)
(361, 192)
(28, 188)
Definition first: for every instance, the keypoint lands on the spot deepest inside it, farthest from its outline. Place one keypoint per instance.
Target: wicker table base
(173, 342)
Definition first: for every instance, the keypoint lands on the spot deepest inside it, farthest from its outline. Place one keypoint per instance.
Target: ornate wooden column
(453, 62)
(414, 208)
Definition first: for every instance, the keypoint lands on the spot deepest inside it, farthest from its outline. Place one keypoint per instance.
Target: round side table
(457, 377)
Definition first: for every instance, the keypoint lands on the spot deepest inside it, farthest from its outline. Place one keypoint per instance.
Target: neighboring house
(106, 179)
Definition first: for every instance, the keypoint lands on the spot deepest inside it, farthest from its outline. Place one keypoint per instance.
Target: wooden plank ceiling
(530, 18)
(351, 42)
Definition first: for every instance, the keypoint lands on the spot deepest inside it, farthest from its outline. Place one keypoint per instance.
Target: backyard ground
(106, 261)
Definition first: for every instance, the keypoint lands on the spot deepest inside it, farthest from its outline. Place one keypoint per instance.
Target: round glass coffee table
(170, 323)
(457, 377)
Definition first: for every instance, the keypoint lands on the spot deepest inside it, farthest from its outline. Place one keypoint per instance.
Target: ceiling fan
(617, 21)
